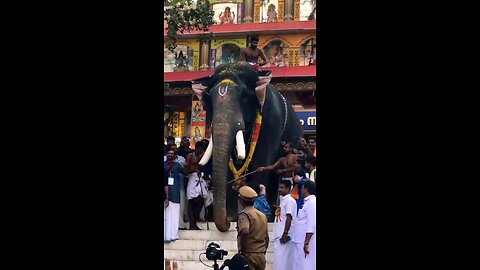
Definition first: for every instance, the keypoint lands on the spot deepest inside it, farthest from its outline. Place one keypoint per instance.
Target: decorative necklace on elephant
(239, 180)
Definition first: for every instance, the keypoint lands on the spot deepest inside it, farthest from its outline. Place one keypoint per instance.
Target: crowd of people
(295, 213)
(187, 186)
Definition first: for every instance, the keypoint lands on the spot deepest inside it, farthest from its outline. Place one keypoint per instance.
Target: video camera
(214, 252)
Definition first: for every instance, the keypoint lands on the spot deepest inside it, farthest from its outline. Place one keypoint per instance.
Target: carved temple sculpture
(227, 17)
(180, 62)
(271, 14)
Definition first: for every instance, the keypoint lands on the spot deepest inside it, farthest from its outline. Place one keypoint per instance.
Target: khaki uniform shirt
(256, 222)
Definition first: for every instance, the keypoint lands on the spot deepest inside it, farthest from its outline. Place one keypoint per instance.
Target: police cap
(247, 193)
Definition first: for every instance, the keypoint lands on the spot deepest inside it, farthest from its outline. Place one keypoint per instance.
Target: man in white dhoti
(305, 230)
(283, 229)
(196, 193)
(196, 187)
(181, 223)
(172, 171)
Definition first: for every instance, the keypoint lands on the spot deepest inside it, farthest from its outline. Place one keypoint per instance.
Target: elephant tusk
(240, 145)
(208, 153)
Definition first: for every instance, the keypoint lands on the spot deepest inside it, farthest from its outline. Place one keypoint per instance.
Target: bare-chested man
(251, 54)
(288, 163)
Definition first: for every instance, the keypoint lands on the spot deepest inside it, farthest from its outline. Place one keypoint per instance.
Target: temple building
(287, 34)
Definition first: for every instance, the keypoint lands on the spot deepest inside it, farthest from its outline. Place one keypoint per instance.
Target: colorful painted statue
(180, 62)
(227, 17)
(312, 61)
(198, 136)
(277, 58)
(271, 14)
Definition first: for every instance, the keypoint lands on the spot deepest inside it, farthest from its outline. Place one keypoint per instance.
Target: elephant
(232, 98)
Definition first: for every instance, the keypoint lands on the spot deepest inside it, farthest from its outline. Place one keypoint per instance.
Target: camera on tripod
(214, 252)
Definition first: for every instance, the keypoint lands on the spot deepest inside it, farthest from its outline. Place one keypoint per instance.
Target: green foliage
(185, 15)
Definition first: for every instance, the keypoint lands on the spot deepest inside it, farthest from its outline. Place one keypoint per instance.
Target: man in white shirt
(304, 236)
(311, 163)
(283, 228)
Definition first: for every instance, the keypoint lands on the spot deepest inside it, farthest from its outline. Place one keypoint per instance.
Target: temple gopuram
(287, 34)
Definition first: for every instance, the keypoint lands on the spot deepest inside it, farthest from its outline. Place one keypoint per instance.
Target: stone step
(233, 226)
(192, 255)
(187, 250)
(198, 245)
(211, 235)
(202, 244)
(196, 265)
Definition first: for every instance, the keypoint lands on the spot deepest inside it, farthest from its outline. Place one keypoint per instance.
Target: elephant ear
(261, 88)
(200, 85)
(199, 89)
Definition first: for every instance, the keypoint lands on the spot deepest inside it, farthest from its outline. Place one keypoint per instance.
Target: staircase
(186, 250)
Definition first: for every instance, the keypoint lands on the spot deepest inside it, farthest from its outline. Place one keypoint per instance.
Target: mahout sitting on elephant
(249, 120)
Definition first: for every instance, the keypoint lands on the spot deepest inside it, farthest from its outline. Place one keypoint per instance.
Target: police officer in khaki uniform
(252, 230)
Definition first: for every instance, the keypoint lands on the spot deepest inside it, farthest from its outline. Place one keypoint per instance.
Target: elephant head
(231, 97)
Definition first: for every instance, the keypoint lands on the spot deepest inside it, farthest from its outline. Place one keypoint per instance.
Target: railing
(252, 28)
(297, 71)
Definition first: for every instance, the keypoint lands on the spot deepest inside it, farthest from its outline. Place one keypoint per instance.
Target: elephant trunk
(221, 157)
